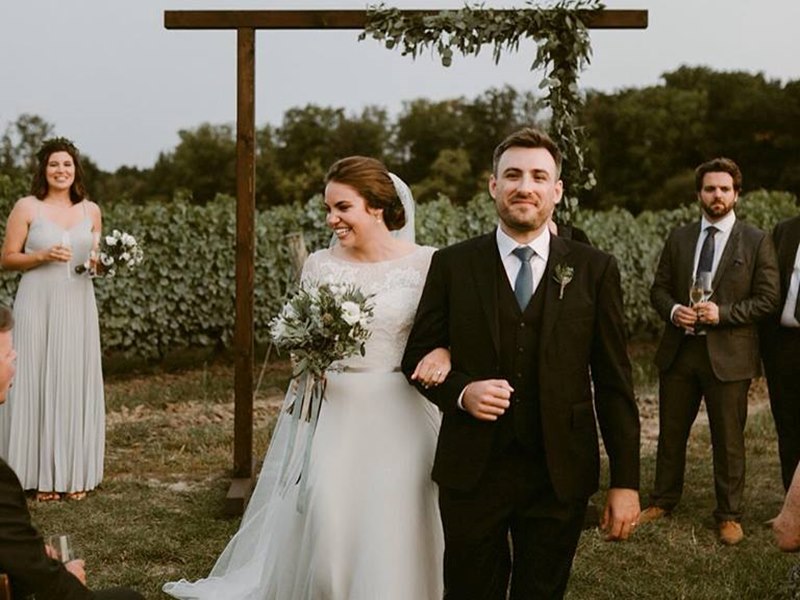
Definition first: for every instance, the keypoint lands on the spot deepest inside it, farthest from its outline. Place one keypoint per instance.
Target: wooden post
(244, 351)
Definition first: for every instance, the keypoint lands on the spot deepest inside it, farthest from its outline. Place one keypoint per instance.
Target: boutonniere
(562, 276)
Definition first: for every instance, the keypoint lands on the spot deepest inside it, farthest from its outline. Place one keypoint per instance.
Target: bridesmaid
(52, 429)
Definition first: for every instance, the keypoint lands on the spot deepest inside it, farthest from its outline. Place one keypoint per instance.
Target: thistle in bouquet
(319, 325)
(119, 250)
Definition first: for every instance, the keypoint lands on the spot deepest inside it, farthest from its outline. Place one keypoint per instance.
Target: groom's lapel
(485, 272)
(559, 251)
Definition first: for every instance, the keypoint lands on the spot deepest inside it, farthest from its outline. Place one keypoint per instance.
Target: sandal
(47, 496)
(75, 495)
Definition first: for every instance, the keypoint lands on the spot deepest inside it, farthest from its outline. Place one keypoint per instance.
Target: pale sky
(111, 77)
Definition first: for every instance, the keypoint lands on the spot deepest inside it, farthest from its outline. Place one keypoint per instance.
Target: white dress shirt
(787, 316)
(512, 264)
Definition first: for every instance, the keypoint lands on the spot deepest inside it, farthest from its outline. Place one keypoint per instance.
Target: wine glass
(62, 547)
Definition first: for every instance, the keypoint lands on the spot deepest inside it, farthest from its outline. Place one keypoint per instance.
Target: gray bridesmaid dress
(52, 427)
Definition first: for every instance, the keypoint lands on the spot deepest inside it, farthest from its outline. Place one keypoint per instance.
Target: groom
(535, 327)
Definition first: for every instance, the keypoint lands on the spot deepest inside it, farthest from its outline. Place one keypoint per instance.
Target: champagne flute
(695, 292)
(67, 243)
(705, 284)
(94, 254)
(62, 547)
(700, 291)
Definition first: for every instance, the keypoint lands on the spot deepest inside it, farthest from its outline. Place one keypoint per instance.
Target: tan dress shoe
(730, 533)
(652, 513)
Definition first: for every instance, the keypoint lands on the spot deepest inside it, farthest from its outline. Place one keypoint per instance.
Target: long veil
(407, 232)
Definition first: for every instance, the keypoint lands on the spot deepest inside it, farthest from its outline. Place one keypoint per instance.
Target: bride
(371, 527)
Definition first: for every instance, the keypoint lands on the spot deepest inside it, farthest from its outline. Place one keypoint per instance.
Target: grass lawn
(157, 516)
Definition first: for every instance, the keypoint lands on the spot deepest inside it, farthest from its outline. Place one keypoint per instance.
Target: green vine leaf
(563, 50)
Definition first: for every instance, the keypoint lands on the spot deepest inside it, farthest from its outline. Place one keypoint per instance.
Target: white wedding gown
(371, 530)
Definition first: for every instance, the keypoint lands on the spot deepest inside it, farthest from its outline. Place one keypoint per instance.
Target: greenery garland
(564, 48)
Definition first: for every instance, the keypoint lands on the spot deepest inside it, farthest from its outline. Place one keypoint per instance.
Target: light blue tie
(523, 286)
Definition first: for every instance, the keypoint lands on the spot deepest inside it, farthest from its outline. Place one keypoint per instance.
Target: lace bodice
(397, 286)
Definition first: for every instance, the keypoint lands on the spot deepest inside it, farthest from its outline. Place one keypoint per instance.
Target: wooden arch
(246, 22)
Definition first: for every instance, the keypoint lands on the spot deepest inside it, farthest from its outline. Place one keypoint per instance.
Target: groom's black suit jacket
(582, 344)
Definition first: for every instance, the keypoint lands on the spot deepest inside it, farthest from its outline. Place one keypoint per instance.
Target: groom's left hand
(621, 513)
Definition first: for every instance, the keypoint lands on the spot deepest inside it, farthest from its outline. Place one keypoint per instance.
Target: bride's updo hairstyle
(370, 178)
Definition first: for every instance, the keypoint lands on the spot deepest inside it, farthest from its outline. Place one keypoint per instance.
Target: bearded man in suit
(709, 350)
(23, 554)
(780, 349)
(534, 324)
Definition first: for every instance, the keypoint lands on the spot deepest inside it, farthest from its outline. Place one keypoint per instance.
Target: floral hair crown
(57, 144)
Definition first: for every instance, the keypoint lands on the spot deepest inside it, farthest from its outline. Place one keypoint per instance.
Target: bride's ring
(438, 372)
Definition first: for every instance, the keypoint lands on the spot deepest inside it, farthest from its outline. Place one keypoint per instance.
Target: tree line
(643, 144)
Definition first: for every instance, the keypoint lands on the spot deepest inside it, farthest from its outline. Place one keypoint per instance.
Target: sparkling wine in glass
(705, 284)
(695, 292)
(700, 291)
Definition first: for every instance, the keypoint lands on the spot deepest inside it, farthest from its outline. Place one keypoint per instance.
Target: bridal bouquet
(321, 324)
(119, 250)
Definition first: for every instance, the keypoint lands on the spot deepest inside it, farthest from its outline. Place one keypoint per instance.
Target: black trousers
(783, 379)
(689, 380)
(511, 517)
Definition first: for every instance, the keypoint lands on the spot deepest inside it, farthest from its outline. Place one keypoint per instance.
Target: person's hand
(433, 368)
(57, 253)
(76, 567)
(621, 513)
(685, 318)
(787, 531)
(7, 369)
(50, 551)
(488, 399)
(707, 313)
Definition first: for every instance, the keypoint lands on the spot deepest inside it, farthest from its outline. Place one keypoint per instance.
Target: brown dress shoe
(652, 513)
(730, 533)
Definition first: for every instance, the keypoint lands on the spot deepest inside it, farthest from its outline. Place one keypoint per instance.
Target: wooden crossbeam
(352, 19)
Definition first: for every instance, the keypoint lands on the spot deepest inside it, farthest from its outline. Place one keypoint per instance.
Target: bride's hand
(433, 368)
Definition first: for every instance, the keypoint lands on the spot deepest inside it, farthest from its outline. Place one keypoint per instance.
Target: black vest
(520, 332)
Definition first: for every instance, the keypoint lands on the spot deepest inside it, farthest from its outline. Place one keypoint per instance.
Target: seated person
(786, 525)
(23, 556)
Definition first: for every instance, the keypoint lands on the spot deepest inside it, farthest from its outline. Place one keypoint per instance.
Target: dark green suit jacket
(746, 289)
